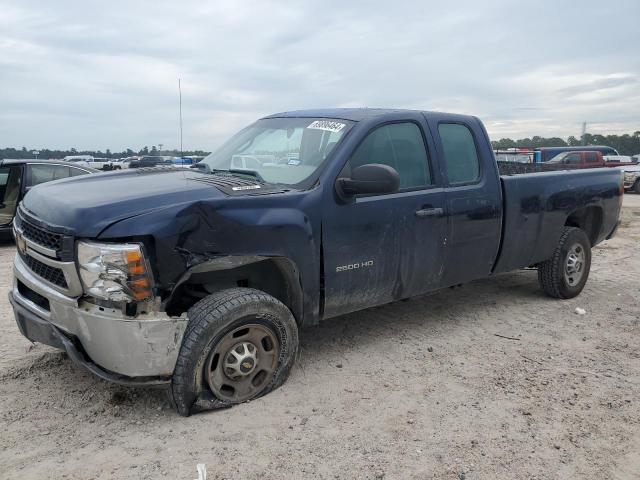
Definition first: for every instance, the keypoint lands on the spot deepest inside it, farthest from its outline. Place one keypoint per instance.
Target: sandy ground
(417, 389)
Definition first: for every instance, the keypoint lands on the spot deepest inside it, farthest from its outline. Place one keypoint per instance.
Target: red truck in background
(589, 159)
(579, 159)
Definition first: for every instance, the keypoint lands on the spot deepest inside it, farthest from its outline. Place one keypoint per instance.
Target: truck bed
(536, 206)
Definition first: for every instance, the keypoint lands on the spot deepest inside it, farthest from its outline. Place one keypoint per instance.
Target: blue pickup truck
(200, 279)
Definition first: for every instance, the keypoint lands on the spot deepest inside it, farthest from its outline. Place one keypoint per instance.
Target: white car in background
(120, 163)
(632, 178)
(80, 160)
(89, 161)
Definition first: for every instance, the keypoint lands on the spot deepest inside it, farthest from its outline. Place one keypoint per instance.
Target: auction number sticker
(327, 125)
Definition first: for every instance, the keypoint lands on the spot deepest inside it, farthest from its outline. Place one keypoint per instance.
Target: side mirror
(366, 179)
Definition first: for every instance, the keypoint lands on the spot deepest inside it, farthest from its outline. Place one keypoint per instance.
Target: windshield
(280, 150)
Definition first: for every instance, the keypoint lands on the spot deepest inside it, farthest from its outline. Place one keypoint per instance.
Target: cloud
(100, 75)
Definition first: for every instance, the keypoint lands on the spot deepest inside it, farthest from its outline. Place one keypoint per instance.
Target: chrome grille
(39, 235)
(47, 272)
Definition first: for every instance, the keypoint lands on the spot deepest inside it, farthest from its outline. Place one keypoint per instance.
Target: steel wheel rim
(574, 265)
(242, 363)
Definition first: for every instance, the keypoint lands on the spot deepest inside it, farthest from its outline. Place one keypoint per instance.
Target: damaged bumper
(134, 351)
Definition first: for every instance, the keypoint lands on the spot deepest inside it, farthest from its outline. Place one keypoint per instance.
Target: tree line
(58, 154)
(627, 144)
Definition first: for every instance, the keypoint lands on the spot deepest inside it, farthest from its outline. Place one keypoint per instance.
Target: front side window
(280, 150)
(573, 159)
(400, 146)
(460, 154)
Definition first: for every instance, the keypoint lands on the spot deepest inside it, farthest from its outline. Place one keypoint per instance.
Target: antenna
(180, 95)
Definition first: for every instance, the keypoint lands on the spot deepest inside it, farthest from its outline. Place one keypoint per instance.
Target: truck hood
(88, 204)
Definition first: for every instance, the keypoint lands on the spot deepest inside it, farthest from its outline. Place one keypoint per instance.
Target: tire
(560, 276)
(215, 332)
(636, 187)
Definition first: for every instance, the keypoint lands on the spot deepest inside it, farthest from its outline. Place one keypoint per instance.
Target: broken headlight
(114, 272)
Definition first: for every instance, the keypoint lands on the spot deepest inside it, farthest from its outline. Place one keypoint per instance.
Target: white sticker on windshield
(327, 125)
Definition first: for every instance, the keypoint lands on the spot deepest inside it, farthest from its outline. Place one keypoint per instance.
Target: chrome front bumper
(122, 348)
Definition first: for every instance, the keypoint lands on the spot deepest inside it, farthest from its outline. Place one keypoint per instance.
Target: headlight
(114, 272)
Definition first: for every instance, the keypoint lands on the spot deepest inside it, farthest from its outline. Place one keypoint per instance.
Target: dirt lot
(417, 389)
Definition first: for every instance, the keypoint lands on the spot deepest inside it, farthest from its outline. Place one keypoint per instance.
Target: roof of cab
(353, 114)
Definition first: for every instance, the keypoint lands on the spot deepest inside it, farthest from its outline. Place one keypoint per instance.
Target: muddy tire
(239, 344)
(565, 273)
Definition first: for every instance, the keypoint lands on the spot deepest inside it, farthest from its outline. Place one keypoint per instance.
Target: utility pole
(180, 95)
(584, 133)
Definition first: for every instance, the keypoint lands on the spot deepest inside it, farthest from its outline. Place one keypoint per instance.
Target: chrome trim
(34, 246)
(23, 273)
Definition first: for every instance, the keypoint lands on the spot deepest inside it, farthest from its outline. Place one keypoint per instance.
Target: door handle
(429, 212)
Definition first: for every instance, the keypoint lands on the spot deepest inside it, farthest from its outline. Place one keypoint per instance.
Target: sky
(104, 75)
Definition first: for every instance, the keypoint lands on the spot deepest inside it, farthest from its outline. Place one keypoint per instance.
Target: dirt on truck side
(490, 380)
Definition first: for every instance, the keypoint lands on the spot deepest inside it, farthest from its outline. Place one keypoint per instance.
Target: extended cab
(200, 279)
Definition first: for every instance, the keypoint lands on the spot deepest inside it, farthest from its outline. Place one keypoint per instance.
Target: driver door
(381, 248)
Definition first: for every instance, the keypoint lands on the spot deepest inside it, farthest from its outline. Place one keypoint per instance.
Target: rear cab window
(460, 153)
(592, 157)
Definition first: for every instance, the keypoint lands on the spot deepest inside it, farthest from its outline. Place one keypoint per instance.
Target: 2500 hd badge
(354, 266)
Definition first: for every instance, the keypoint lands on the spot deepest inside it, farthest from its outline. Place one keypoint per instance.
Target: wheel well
(276, 276)
(588, 219)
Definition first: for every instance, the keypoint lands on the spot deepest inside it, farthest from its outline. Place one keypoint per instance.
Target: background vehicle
(79, 160)
(149, 161)
(632, 178)
(217, 271)
(517, 155)
(183, 162)
(544, 154)
(619, 160)
(119, 164)
(579, 159)
(87, 161)
(18, 176)
(101, 163)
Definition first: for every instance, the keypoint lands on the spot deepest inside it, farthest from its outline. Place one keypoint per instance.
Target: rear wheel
(565, 274)
(636, 187)
(239, 344)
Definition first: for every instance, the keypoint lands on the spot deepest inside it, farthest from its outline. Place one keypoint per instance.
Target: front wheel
(636, 187)
(565, 273)
(239, 345)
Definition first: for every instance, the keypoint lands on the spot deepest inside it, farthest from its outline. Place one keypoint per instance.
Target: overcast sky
(98, 75)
